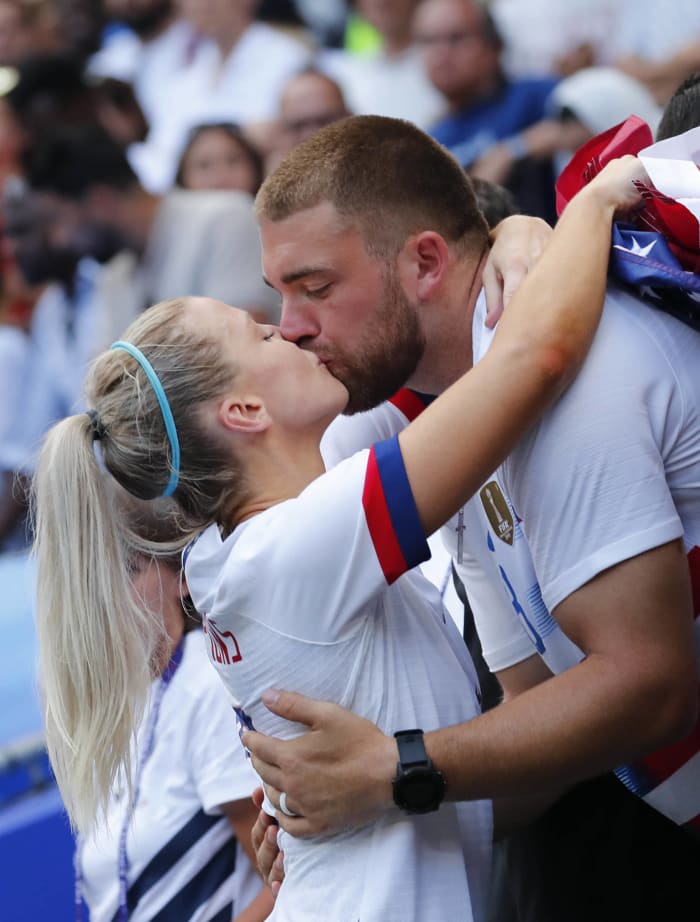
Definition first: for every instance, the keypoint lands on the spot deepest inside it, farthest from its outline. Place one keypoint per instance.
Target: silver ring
(283, 806)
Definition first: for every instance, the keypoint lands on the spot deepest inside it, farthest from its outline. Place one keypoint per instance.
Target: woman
(202, 404)
(217, 155)
(181, 849)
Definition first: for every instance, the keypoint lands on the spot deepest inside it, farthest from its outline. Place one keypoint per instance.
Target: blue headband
(164, 409)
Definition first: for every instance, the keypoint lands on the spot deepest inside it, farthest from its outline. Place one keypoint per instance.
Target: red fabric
(660, 213)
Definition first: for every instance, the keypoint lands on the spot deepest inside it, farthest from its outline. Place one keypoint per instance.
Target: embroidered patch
(497, 511)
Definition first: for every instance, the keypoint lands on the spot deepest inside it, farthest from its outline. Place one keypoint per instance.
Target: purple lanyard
(160, 690)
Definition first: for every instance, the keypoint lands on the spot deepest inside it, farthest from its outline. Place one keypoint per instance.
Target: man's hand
(518, 243)
(338, 775)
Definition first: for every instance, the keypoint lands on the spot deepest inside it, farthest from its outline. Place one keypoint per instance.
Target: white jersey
(185, 864)
(314, 595)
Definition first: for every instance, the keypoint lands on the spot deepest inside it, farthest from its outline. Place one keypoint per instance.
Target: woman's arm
(540, 344)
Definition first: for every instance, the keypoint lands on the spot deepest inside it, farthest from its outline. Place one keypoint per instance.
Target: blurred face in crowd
(216, 159)
(15, 36)
(214, 17)
(389, 17)
(459, 61)
(309, 101)
(345, 306)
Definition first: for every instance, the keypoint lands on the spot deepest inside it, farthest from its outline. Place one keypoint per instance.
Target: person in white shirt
(299, 573)
(180, 849)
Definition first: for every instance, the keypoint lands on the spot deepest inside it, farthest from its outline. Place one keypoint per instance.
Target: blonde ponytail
(96, 645)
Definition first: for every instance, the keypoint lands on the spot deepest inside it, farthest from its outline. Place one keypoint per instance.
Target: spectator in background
(25, 28)
(462, 53)
(309, 100)
(657, 42)
(187, 853)
(391, 79)
(550, 37)
(217, 155)
(580, 106)
(147, 46)
(196, 242)
(236, 72)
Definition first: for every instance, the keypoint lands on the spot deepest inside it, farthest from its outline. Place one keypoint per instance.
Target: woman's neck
(278, 475)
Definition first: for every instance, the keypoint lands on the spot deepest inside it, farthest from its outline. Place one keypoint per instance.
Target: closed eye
(318, 292)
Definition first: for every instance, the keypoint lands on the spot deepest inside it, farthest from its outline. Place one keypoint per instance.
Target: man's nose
(298, 321)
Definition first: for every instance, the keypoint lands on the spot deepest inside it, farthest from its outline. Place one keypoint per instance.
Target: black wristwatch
(418, 786)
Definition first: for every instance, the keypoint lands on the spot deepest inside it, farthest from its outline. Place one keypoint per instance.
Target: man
(605, 488)
(486, 112)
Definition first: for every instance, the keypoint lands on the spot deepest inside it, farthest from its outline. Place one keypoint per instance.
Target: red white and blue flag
(659, 252)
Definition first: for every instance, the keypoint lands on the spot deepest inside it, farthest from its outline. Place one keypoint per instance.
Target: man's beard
(392, 347)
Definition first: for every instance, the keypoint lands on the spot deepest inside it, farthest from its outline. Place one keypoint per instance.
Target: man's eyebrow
(296, 275)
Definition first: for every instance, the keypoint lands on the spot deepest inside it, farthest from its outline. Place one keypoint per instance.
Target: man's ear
(423, 262)
(244, 413)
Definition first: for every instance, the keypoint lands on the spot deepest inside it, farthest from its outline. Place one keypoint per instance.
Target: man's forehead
(319, 229)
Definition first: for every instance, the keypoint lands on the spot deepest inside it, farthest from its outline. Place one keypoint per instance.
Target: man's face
(337, 301)
(457, 58)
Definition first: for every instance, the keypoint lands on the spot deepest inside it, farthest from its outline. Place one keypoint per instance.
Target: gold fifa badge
(497, 511)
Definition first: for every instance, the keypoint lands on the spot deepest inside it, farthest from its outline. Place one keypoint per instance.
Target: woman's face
(216, 160)
(297, 390)
(158, 587)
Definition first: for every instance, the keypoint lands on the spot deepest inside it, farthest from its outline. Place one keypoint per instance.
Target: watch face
(421, 792)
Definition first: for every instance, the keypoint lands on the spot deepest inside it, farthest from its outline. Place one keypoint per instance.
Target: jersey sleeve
(311, 564)
(349, 434)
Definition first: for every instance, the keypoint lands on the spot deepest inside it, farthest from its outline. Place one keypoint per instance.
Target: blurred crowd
(134, 134)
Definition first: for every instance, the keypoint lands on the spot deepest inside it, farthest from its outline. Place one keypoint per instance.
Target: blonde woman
(303, 577)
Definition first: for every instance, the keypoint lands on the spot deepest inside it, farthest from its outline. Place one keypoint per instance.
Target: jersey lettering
(223, 645)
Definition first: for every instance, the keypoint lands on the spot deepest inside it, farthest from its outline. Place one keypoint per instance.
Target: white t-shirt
(313, 595)
(184, 860)
(627, 435)
(628, 430)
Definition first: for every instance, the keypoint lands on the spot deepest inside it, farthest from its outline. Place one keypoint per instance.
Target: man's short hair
(71, 160)
(384, 175)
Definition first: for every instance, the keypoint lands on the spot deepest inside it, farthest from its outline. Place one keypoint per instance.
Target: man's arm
(635, 691)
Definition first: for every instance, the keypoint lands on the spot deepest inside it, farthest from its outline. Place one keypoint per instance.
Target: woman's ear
(423, 262)
(243, 413)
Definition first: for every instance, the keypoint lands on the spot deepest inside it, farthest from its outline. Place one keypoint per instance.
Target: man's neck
(448, 329)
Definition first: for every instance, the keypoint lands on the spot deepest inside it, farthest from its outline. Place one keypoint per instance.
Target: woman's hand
(518, 243)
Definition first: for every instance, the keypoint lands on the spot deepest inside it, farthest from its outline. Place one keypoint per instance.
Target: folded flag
(659, 252)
